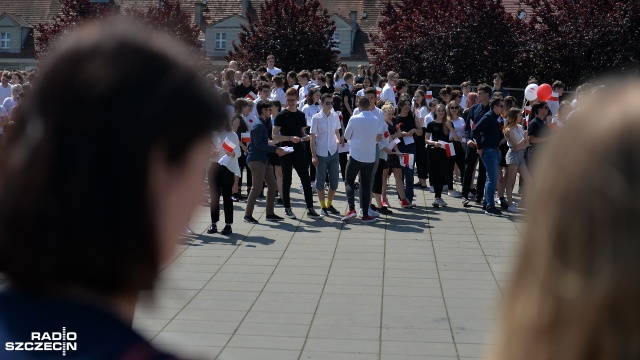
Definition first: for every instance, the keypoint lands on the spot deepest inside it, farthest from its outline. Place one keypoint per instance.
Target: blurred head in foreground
(103, 170)
(575, 292)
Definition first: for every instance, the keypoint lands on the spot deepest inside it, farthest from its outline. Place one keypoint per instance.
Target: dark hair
(401, 84)
(363, 102)
(329, 77)
(309, 99)
(498, 75)
(484, 88)
(261, 105)
(418, 105)
(279, 81)
(65, 146)
(262, 69)
(277, 104)
(371, 90)
(326, 96)
(536, 107)
(292, 92)
(558, 85)
(495, 101)
(337, 102)
(292, 75)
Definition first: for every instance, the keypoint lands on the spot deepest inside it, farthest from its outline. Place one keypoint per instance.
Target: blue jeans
(406, 172)
(491, 161)
(331, 163)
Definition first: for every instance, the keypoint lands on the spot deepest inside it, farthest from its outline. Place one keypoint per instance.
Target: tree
(74, 13)
(170, 19)
(578, 40)
(298, 33)
(446, 41)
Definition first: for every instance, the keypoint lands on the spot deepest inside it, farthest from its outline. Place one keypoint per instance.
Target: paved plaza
(422, 283)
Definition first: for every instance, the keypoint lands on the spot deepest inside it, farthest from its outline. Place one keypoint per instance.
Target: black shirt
(537, 128)
(327, 89)
(476, 112)
(291, 124)
(345, 92)
(487, 131)
(437, 131)
(240, 91)
(404, 123)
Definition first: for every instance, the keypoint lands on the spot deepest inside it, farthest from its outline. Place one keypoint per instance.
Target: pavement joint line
(384, 267)
(444, 299)
(261, 290)
(207, 283)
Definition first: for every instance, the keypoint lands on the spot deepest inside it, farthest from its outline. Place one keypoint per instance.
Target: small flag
(224, 160)
(386, 134)
(429, 96)
(407, 160)
(393, 144)
(228, 145)
(448, 147)
(527, 110)
(378, 91)
(394, 89)
(251, 96)
(246, 137)
(554, 97)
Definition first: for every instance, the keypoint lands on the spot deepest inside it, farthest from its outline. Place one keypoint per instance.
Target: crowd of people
(363, 128)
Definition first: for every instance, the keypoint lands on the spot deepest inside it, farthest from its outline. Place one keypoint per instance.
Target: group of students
(14, 88)
(368, 133)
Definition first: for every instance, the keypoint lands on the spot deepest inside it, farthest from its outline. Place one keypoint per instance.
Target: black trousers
(469, 167)
(422, 158)
(307, 154)
(458, 159)
(296, 160)
(355, 167)
(221, 181)
(378, 181)
(438, 165)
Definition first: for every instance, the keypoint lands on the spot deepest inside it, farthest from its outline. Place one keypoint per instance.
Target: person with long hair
(338, 77)
(455, 126)
(509, 102)
(277, 91)
(372, 72)
(421, 110)
(329, 85)
(407, 124)
(222, 177)
(438, 164)
(575, 288)
(274, 159)
(143, 178)
(366, 83)
(518, 144)
(239, 125)
(310, 108)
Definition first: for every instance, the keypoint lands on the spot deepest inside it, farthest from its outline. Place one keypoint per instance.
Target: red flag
(251, 96)
(246, 137)
(228, 145)
(527, 110)
(386, 134)
(407, 160)
(448, 147)
(378, 91)
(429, 96)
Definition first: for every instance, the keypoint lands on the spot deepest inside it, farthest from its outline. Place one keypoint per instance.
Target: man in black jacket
(476, 112)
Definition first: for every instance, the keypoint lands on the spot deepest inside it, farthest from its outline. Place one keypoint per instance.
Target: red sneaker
(385, 202)
(406, 204)
(349, 215)
(368, 219)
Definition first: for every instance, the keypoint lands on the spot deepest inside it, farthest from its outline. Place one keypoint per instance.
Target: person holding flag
(437, 133)
(408, 125)
(392, 164)
(455, 126)
(222, 172)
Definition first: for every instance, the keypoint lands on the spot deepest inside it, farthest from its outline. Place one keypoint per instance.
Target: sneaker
(441, 202)
(435, 203)
(465, 202)
(311, 212)
(385, 203)
(324, 212)
(368, 219)
(373, 211)
(274, 217)
(454, 193)
(250, 219)
(406, 204)
(417, 184)
(212, 229)
(492, 211)
(384, 211)
(235, 198)
(513, 208)
(479, 201)
(333, 210)
(226, 231)
(288, 213)
(504, 204)
(349, 215)
(279, 201)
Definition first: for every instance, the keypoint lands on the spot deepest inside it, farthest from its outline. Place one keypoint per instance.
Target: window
(336, 41)
(221, 40)
(5, 41)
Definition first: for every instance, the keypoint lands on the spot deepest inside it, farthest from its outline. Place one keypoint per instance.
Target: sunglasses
(328, 103)
(454, 108)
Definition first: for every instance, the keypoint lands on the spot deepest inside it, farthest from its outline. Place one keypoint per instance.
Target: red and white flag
(527, 110)
(246, 137)
(378, 91)
(407, 160)
(448, 147)
(429, 96)
(252, 96)
(228, 145)
(554, 97)
(394, 89)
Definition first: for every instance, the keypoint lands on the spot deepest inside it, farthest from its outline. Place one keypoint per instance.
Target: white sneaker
(441, 202)
(454, 193)
(371, 213)
(512, 208)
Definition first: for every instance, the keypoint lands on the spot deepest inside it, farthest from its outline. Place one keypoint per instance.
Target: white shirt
(360, 93)
(518, 134)
(553, 106)
(379, 114)
(216, 143)
(8, 104)
(278, 94)
(421, 113)
(250, 120)
(310, 110)
(458, 127)
(5, 92)
(324, 127)
(388, 94)
(339, 82)
(463, 102)
(302, 96)
(362, 131)
(275, 71)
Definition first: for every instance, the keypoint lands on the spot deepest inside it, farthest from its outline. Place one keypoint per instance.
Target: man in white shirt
(387, 91)
(325, 137)
(303, 89)
(363, 134)
(5, 86)
(554, 101)
(271, 69)
(466, 89)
